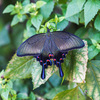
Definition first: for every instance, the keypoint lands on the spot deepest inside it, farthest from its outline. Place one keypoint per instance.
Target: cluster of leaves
(86, 13)
(6, 88)
(82, 75)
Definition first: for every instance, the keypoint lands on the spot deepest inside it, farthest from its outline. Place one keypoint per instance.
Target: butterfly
(50, 47)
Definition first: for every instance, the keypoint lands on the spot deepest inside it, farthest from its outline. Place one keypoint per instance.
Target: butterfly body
(50, 45)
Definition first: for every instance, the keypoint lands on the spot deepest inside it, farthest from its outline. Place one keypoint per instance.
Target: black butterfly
(50, 45)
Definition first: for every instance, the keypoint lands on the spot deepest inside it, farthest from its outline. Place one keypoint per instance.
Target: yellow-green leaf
(40, 4)
(75, 65)
(36, 74)
(19, 67)
(92, 85)
(73, 94)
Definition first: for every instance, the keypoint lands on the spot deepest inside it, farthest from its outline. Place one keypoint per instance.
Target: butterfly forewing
(66, 41)
(32, 46)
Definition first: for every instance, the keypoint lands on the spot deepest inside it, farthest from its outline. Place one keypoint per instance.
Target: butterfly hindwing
(66, 41)
(32, 46)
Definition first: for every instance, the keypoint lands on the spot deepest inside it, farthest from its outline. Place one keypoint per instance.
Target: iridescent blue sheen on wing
(53, 45)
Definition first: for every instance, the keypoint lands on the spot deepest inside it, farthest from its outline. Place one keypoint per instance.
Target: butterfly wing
(44, 46)
(66, 41)
(32, 46)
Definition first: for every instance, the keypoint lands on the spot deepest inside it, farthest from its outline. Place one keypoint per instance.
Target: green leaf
(90, 10)
(27, 8)
(72, 85)
(20, 86)
(54, 82)
(76, 65)
(32, 96)
(23, 67)
(15, 20)
(19, 67)
(4, 37)
(60, 19)
(28, 24)
(73, 94)
(9, 9)
(21, 17)
(81, 17)
(81, 32)
(62, 25)
(74, 18)
(21, 96)
(5, 93)
(62, 1)
(98, 46)
(13, 93)
(92, 85)
(97, 22)
(0, 88)
(94, 36)
(36, 74)
(18, 18)
(1, 23)
(10, 84)
(36, 21)
(74, 7)
(47, 9)
(93, 51)
(64, 7)
(97, 57)
(53, 92)
(39, 4)
(29, 32)
(41, 30)
(25, 2)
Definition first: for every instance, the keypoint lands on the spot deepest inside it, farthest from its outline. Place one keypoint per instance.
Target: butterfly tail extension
(60, 69)
(43, 71)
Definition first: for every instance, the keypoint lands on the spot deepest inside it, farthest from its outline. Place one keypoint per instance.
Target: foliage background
(80, 17)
